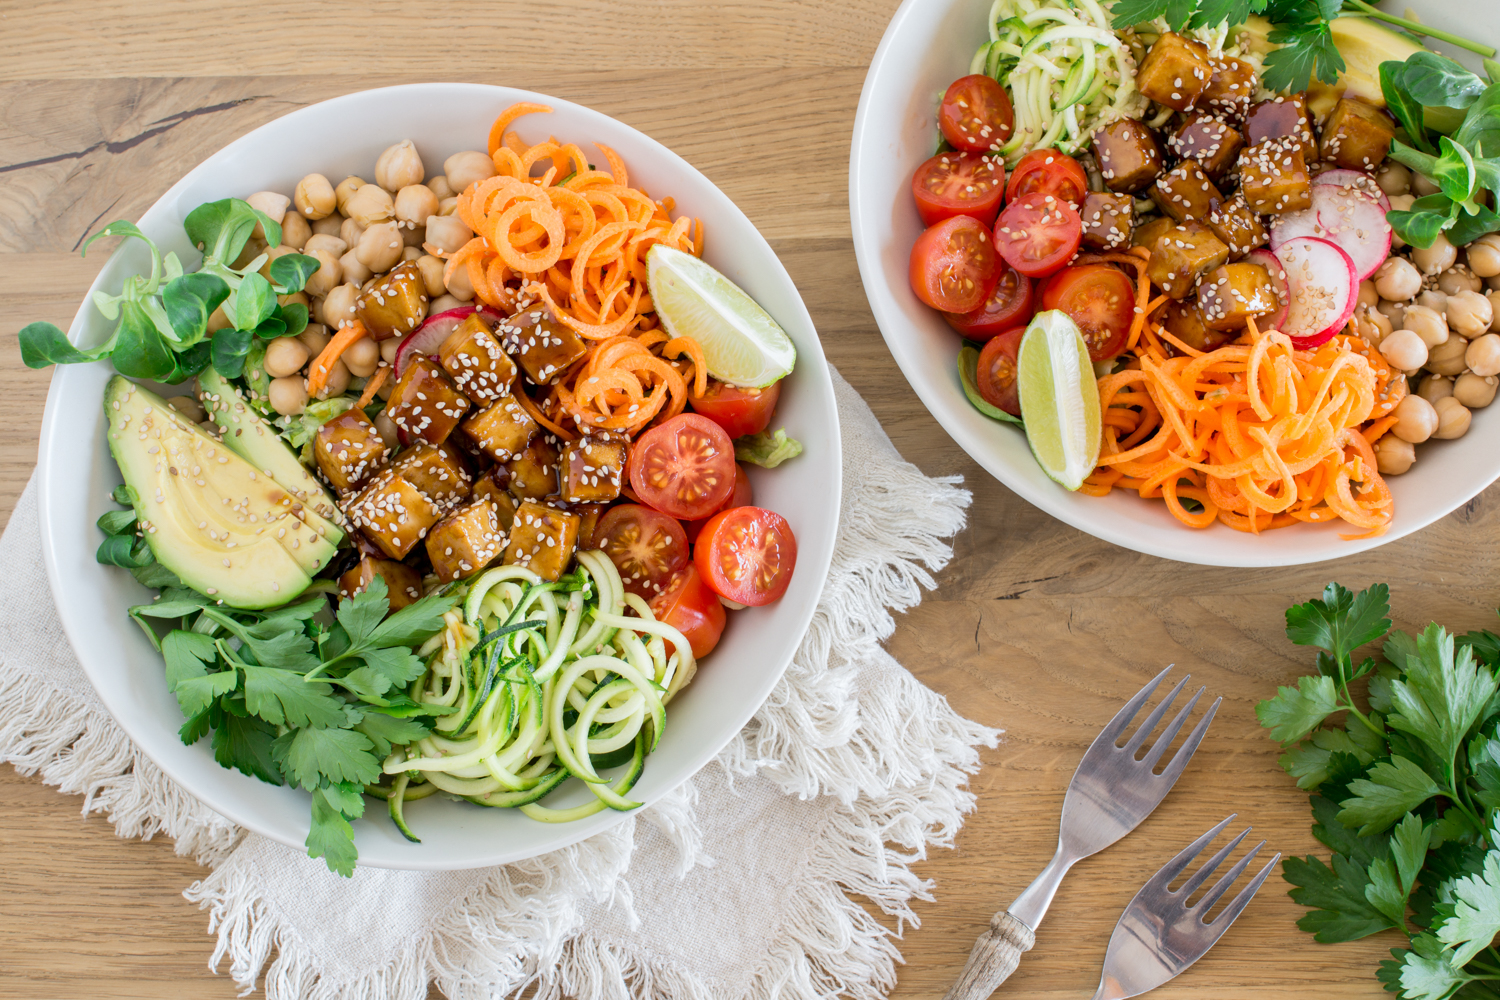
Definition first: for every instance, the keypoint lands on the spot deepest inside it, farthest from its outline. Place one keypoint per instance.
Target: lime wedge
(1059, 398)
(741, 342)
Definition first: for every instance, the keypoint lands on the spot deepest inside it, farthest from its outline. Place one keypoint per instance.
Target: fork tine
(1240, 901)
(1170, 733)
(1140, 734)
(1222, 886)
(1201, 875)
(1189, 746)
(1116, 726)
(1173, 868)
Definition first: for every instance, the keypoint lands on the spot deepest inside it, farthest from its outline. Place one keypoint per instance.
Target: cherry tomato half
(959, 183)
(683, 467)
(738, 411)
(996, 377)
(1047, 171)
(741, 497)
(1101, 300)
(1038, 235)
(687, 604)
(976, 114)
(1012, 303)
(747, 555)
(646, 546)
(954, 265)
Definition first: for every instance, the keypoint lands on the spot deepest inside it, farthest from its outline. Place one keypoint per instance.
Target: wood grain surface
(1035, 627)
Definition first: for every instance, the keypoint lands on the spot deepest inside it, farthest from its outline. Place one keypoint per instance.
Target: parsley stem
(1346, 667)
(1418, 29)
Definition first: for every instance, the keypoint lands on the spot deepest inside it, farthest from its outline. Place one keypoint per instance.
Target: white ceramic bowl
(927, 46)
(344, 136)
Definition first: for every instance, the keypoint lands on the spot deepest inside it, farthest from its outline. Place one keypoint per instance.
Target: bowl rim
(871, 124)
(814, 554)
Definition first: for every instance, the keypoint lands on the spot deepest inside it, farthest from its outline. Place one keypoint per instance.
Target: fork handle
(995, 956)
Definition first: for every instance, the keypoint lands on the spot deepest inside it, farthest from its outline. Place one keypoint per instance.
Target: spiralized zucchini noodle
(541, 682)
(1068, 72)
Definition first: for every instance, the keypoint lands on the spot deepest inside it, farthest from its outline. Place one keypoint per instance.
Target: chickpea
(1483, 355)
(1394, 456)
(379, 247)
(218, 320)
(399, 166)
(1403, 350)
(298, 297)
(314, 337)
(362, 357)
(1398, 280)
(338, 380)
(1416, 419)
(1433, 299)
(445, 302)
(1435, 387)
(1393, 311)
(329, 225)
(314, 197)
(386, 390)
(1459, 278)
(432, 274)
(414, 236)
(448, 232)
(1435, 259)
(189, 407)
(1427, 324)
(354, 268)
(272, 205)
(463, 169)
(295, 232)
(272, 254)
(1493, 298)
(345, 191)
(1393, 178)
(338, 308)
(448, 206)
(1368, 296)
(1484, 256)
(440, 187)
(369, 205)
(1372, 325)
(1447, 358)
(1475, 391)
(288, 395)
(389, 348)
(285, 356)
(411, 253)
(253, 248)
(414, 203)
(1453, 419)
(460, 287)
(1422, 186)
(350, 233)
(386, 428)
(1469, 314)
(328, 275)
(322, 241)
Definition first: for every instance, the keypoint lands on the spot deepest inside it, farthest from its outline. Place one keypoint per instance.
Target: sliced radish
(1269, 261)
(1356, 179)
(427, 338)
(1322, 287)
(1347, 216)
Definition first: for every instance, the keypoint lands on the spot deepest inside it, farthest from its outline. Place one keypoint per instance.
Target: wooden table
(1035, 627)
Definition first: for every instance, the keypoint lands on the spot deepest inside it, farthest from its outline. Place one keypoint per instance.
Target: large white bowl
(344, 136)
(928, 45)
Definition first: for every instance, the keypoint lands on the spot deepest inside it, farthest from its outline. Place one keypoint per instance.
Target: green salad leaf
(766, 449)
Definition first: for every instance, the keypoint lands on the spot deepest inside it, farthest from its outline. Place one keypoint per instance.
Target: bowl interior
(927, 45)
(340, 137)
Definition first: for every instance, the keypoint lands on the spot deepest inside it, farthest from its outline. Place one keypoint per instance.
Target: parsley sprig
(1406, 791)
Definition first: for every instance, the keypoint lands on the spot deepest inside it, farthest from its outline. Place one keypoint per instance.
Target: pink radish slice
(1346, 216)
(1323, 289)
(1269, 261)
(1358, 180)
(427, 338)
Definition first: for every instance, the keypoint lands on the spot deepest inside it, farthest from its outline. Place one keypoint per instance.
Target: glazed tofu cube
(534, 474)
(1211, 142)
(466, 541)
(588, 517)
(592, 468)
(425, 403)
(1282, 117)
(479, 366)
(491, 487)
(1175, 72)
(1183, 255)
(1274, 178)
(394, 305)
(1357, 135)
(1231, 84)
(502, 430)
(1233, 293)
(1236, 226)
(542, 539)
(1185, 192)
(393, 513)
(1129, 155)
(1107, 220)
(348, 450)
(1185, 321)
(437, 471)
(1147, 233)
(402, 583)
(544, 347)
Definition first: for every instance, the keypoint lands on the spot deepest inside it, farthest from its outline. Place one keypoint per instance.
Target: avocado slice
(250, 436)
(225, 529)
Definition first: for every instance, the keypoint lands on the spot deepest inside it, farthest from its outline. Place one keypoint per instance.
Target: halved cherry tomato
(976, 114)
(687, 604)
(741, 497)
(738, 411)
(1047, 171)
(683, 467)
(1101, 300)
(1012, 303)
(954, 265)
(959, 183)
(646, 546)
(747, 555)
(1038, 234)
(996, 377)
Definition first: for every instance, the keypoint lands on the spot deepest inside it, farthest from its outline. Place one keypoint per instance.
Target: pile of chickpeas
(1434, 315)
(358, 231)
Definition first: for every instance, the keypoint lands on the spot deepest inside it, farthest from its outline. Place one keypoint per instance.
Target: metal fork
(1110, 794)
(1159, 935)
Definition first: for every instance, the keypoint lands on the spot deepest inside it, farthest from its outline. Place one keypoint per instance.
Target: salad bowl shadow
(927, 45)
(340, 137)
